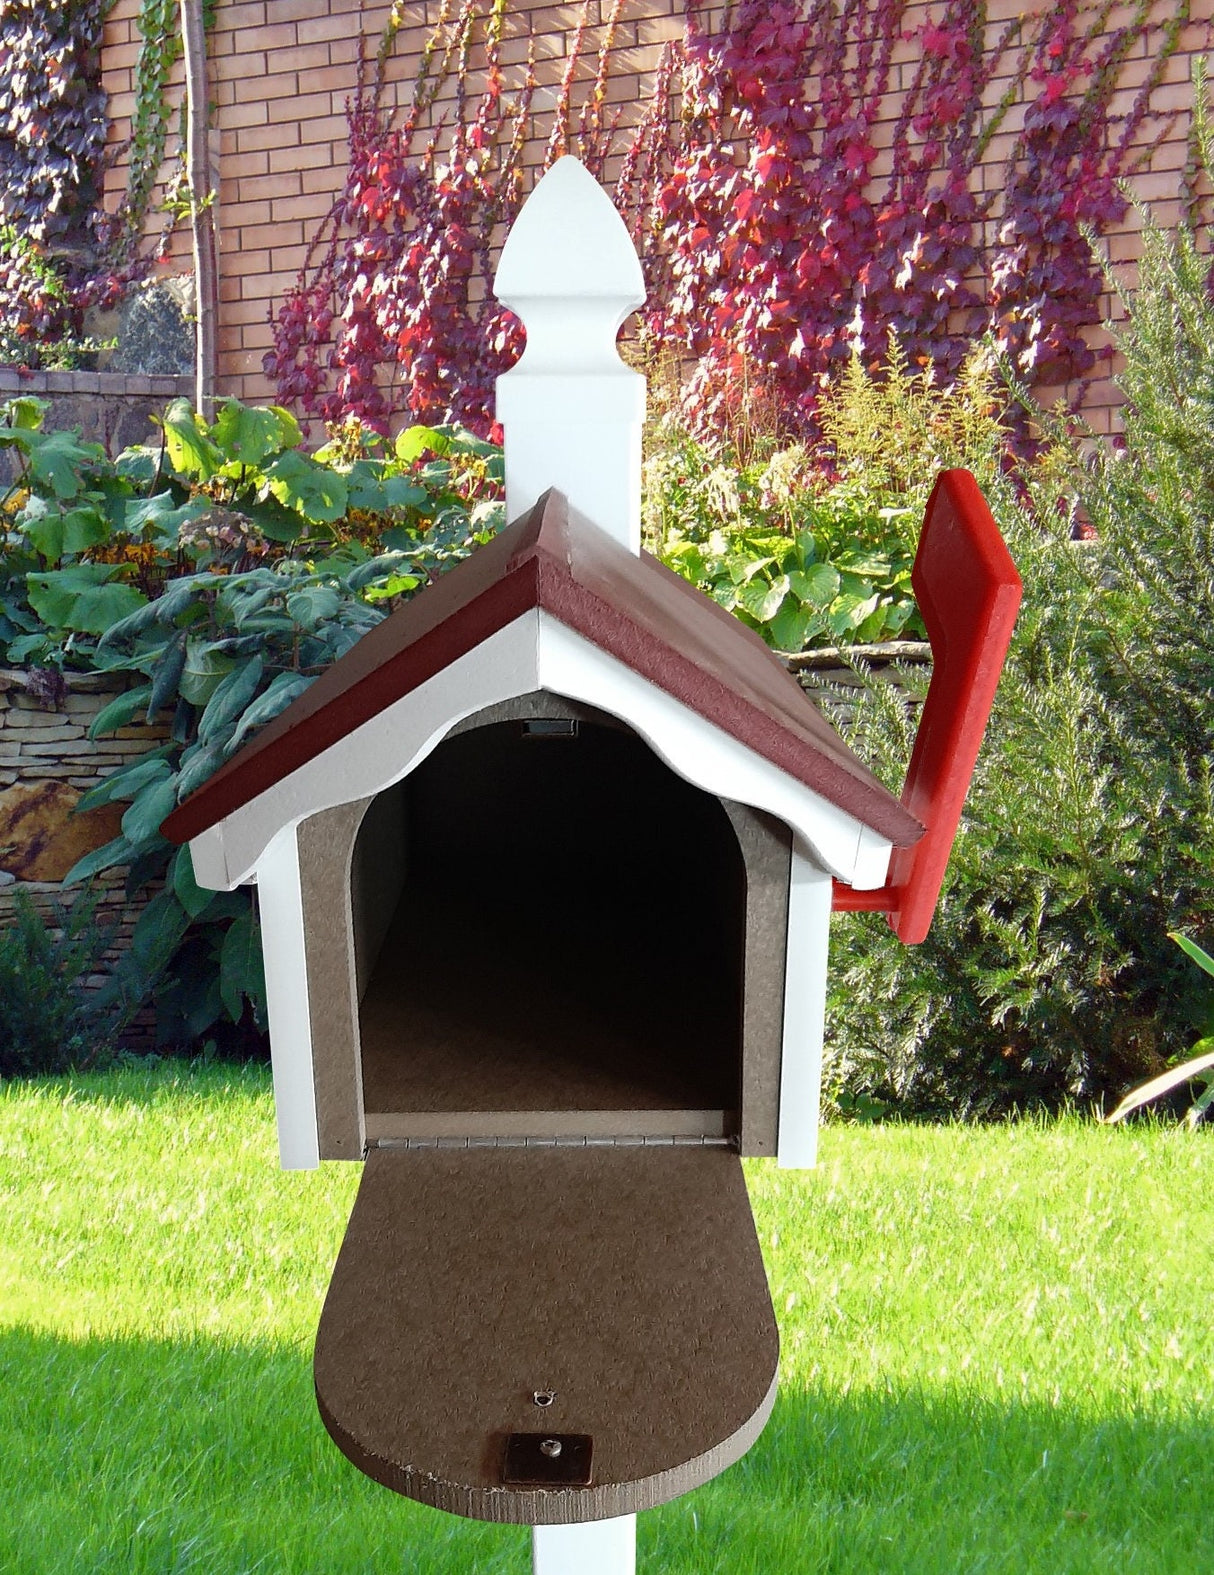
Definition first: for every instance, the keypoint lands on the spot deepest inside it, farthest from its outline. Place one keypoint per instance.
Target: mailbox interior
(549, 934)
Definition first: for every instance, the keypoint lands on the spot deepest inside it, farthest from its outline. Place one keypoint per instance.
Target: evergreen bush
(48, 1022)
(1089, 833)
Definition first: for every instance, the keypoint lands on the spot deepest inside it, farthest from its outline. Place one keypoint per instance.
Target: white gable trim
(707, 756)
(533, 652)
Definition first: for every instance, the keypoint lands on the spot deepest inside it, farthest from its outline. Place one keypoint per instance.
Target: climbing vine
(778, 246)
(797, 185)
(159, 50)
(52, 116)
(393, 313)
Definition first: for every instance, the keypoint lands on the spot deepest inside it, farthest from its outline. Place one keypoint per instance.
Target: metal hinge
(622, 1141)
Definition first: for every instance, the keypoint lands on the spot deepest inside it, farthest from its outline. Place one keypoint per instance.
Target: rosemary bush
(48, 1021)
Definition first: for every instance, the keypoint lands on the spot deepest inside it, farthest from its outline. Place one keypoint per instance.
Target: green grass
(996, 1345)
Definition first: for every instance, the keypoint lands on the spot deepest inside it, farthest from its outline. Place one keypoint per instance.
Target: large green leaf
(190, 450)
(247, 435)
(313, 605)
(197, 765)
(401, 493)
(763, 601)
(57, 460)
(203, 671)
(27, 413)
(1191, 949)
(83, 597)
(413, 442)
(128, 780)
(231, 697)
(161, 515)
(298, 482)
(116, 852)
(120, 712)
(148, 808)
(195, 899)
(794, 624)
(241, 971)
(55, 532)
(266, 707)
(818, 585)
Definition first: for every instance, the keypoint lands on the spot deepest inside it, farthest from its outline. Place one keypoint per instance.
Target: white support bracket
(809, 901)
(280, 908)
(595, 1547)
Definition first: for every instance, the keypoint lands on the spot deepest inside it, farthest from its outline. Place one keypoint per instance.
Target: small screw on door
(550, 1447)
(544, 1397)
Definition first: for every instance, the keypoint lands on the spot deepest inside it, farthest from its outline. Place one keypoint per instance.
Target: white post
(809, 898)
(596, 1547)
(280, 906)
(571, 411)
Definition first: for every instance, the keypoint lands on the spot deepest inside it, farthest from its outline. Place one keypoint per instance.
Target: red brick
(326, 178)
(271, 86)
(243, 65)
(255, 114)
(259, 335)
(285, 263)
(276, 136)
(314, 157)
(310, 57)
(289, 233)
(239, 260)
(280, 37)
(239, 18)
(310, 209)
(312, 30)
(326, 128)
(239, 163)
(283, 183)
(242, 312)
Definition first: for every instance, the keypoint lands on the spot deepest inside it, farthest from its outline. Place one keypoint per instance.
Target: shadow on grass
(160, 1458)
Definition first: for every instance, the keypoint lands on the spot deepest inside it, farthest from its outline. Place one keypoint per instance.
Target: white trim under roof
(534, 652)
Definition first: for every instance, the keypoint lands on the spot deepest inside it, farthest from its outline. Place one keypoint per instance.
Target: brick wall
(282, 71)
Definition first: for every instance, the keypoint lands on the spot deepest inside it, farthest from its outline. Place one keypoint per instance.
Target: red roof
(632, 607)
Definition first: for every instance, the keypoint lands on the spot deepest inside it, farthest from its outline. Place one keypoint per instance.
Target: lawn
(996, 1354)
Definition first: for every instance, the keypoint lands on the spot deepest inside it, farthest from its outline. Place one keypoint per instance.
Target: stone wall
(114, 409)
(47, 763)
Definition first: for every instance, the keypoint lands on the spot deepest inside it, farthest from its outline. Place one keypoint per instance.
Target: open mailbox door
(548, 1333)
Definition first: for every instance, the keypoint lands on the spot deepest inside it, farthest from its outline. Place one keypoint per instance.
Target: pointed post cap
(571, 411)
(569, 240)
(570, 271)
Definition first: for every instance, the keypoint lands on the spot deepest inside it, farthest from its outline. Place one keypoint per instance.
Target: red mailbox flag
(969, 593)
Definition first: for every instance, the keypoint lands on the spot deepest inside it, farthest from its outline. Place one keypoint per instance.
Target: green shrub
(815, 547)
(1089, 832)
(48, 1022)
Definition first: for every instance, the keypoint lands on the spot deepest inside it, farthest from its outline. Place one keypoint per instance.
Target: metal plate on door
(548, 1460)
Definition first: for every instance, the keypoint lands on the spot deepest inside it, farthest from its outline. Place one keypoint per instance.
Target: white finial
(570, 409)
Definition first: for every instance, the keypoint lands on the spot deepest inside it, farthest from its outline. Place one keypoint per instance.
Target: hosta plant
(217, 572)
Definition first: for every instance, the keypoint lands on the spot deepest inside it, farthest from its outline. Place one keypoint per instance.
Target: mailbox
(545, 868)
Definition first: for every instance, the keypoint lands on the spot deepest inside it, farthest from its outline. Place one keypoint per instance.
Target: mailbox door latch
(548, 1460)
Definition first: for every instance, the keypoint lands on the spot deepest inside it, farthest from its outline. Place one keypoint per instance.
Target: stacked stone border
(42, 745)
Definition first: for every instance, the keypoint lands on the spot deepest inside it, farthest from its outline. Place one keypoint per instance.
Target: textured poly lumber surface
(969, 593)
(628, 1281)
(632, 607)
